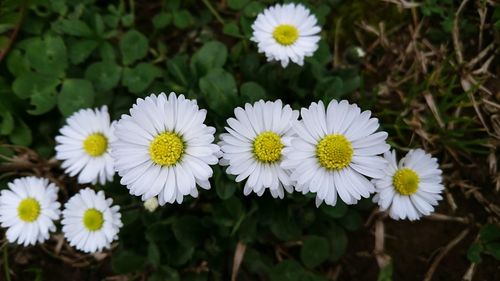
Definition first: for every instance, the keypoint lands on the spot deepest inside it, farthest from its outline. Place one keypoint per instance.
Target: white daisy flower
(334, 150)
(84, 146)
(28, 210)
(286, 32)
(253, 147)
(164, 149)
(411, 188)
(89, 222)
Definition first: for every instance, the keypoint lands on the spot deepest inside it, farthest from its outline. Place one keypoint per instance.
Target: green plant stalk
(213, 11)
(6, 263)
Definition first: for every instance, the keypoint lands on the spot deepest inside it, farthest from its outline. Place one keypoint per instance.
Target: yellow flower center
(405, 181)
(267, 147)
(166, 149)
(28, 210)
(334, 152)
(93, 219)
(286, 34)
(95, 144)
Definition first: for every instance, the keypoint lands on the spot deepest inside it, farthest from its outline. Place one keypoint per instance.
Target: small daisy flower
(253, 146)
(286, 32)
(84, 146)
(89, 222)
(333, 152)
(164, 149)
(411, 188)
(28, 210)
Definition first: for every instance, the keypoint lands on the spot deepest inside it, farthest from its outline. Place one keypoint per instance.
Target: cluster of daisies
(29, 210)
(163, 151)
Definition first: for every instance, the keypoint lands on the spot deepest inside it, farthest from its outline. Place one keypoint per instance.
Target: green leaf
(73, 27)
(178, 69)
(134, 46)
(337, 211)
(224, 189)
(493, 249)
(127, 261)
(385, 273)
(232, 29)
(17, 63)
(6, 121)
(352, 220)
(253, 9)
(329, 88)
(48, 55)
(314, 251)
(107, 52)
(21, 135)
(338, 242)
(288, 270)
(154, 255)
(105, 75)
(237, 4)
(212, 55)
(474, 252)
(81, 50)
(128, 20)
(137, 79)
(219, 90)
(489, 232)
(33, 84)
(161, 20)
(75, 94)
(188, 230)
(252, 92)
(183, 19)
(43, 102)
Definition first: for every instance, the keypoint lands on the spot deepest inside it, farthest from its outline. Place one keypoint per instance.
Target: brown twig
(14, 33)
(442, 254)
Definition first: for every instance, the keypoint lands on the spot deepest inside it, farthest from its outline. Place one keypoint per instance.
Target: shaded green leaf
(137, 79)
(314, 251)
(75, 94)
(105, 75)
(134, 46)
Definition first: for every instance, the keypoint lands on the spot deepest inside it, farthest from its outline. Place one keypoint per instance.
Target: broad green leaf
(188, 230)
(232, 29)
(127, 261)
(75, 94)
(252, 92)
(337, 211)
(17, 63)
(489, 232)
(81, 50)
(253, 9)
(47, 55)
(212, 55)
(154, 255)
(104, 75)
(351, 220)
(237, 4)
(137, 79)
(493, 249)
(287, 270)
(338, 242)
(220, 92)
(21, 135)
(223, 189)
(161, 20)
(31, 84)
(474, 252)
(183, 19)
(134, 46)
(314, 251)
(73, 27)
(43, 102)
(6, 121)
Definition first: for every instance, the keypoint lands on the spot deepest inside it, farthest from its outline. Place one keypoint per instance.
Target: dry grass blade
(442, 254)
(239, 253)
